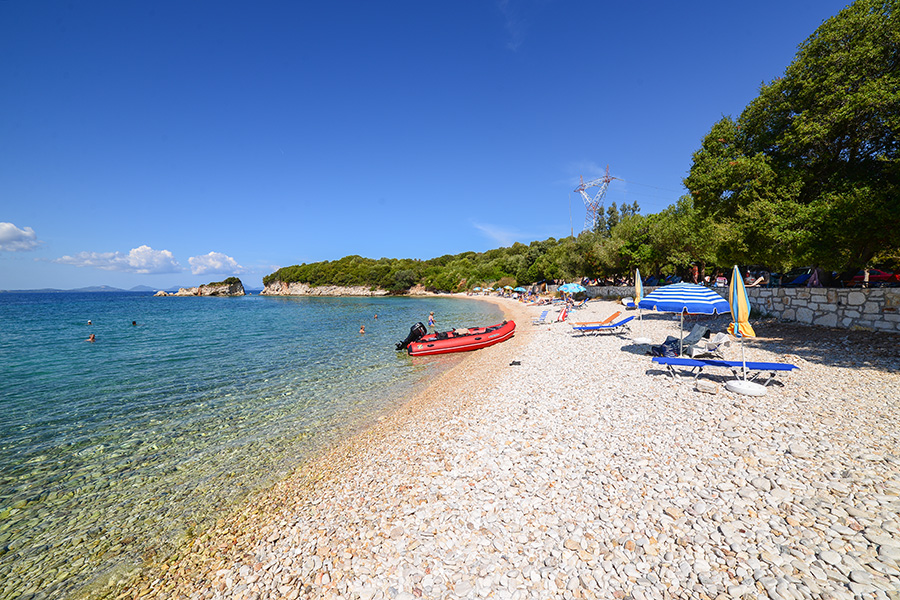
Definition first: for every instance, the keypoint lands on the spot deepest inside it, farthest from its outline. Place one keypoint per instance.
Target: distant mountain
(104, 288)
(98, 288)
(93, 288)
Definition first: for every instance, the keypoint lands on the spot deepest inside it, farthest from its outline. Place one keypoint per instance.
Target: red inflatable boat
(462, 340)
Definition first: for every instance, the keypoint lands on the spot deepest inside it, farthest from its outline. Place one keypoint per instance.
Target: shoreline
(314, 475)
(586, 472)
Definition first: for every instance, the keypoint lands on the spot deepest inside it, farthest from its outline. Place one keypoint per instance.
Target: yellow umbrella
(638, 287)
(638, 294)
(740, 307)
(740, 328)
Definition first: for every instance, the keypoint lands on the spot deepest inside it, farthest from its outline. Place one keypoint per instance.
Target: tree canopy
(810, 172)
(667, 242)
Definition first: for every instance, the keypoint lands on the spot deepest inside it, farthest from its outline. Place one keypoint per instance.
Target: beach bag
(667, 350)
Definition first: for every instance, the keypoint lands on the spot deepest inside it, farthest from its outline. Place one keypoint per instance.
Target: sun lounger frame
(605, 321)
(541, 320)
(755, 370)
(617, 326)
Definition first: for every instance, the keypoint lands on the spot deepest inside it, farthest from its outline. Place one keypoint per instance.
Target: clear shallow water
(114, 451)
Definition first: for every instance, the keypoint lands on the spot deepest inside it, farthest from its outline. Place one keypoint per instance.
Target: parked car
(796, 277)
(877, 278)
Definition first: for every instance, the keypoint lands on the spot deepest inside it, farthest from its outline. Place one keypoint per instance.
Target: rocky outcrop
(280, 288)
(225, 288)
(419, 290)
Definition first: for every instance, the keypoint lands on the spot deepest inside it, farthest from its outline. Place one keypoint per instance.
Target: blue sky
(176, 143)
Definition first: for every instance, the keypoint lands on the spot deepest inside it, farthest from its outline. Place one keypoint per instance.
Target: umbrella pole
(641, 339)
(743, 360)
(681, 334)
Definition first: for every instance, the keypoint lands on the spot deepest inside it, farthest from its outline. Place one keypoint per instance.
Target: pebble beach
(558, 465)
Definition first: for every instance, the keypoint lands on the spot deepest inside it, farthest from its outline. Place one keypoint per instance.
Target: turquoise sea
(117, 451)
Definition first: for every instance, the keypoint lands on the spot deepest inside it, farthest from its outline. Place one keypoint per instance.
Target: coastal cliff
(230, 287)
(280, 288)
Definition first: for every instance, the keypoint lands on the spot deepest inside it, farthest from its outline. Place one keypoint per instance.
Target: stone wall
(874, 309)
(848, 308)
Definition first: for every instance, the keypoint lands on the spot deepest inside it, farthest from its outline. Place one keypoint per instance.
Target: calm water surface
(115, 451)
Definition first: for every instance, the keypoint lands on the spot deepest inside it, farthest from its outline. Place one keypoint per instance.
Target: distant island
(229, 287)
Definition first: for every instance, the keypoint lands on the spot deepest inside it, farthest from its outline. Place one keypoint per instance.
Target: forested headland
(807, 174)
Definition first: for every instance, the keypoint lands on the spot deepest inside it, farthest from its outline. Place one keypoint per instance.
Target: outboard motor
(415, 332)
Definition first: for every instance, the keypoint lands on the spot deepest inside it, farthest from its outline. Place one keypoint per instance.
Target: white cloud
(143, 259)
(515, 25)
(214, 262)
(14, 239)
(503, 237)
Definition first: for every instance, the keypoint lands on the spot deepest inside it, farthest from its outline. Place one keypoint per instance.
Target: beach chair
(541, 320)
(755, 370)
(579, 305)
(698, 332)
(617, 326)
(605, 321)
(711, 349)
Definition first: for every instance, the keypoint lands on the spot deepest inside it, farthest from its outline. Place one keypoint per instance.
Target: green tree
(681, 235)
(600, 224)
(810, 171)
(612, 217)
(634, 247)
(403, 280)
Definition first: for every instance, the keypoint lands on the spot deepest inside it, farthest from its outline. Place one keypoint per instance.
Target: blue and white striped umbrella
(572, 288)
(688, 297)
(683, 297)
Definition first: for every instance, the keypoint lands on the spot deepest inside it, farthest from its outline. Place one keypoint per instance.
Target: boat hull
(477, 339)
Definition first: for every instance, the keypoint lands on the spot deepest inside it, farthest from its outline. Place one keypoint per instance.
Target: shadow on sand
(829, 346)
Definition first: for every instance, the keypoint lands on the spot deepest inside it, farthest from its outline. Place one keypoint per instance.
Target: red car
(877, 277)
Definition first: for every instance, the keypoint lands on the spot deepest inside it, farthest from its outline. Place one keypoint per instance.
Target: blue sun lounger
(754, 369)
(541, 320)
(617, 326)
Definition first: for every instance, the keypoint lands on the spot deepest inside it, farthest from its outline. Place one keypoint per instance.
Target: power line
(651, 186)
